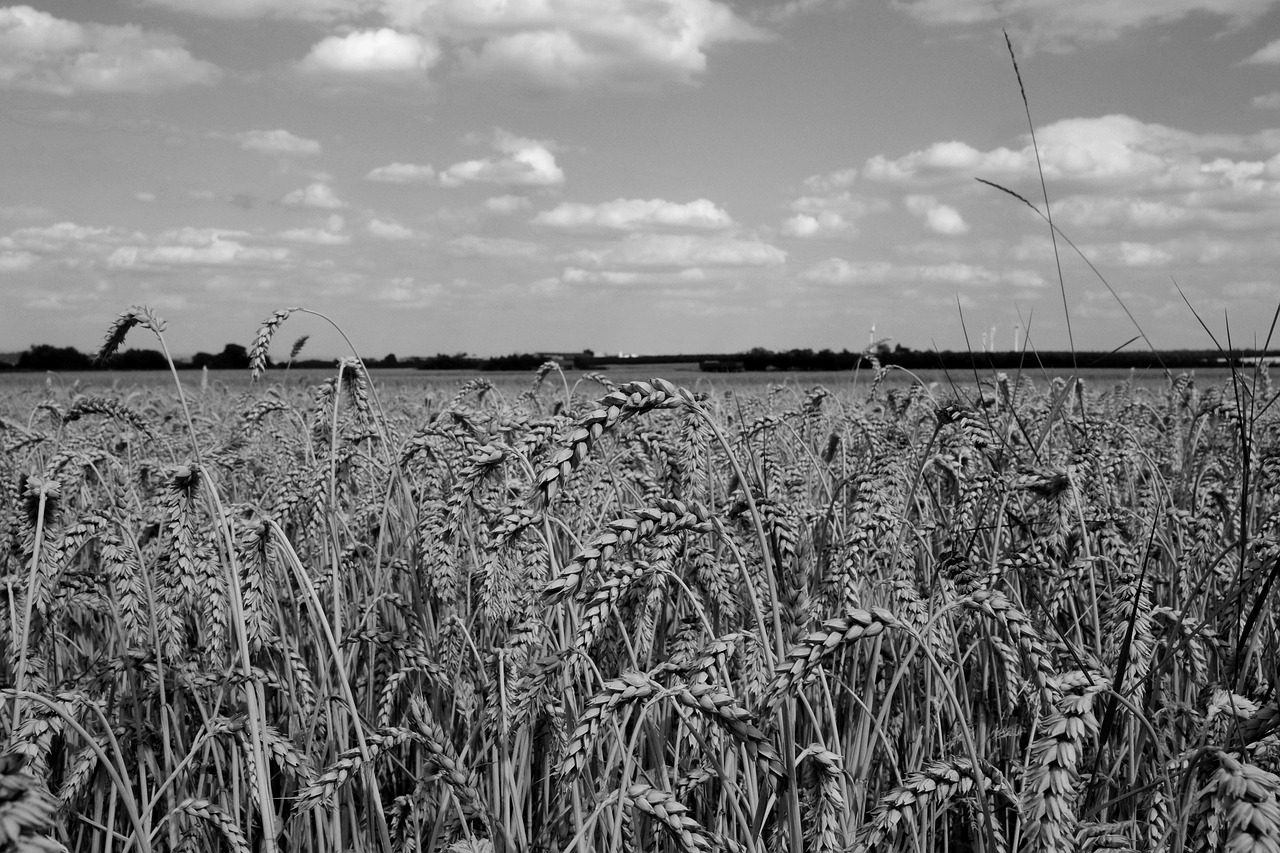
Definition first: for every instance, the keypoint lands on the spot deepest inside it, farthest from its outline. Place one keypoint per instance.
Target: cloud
(389, 230)
(277, 142)
(682, 250)
(831, 181)
(303, 10)
(493, 247)
(577, 275)
(558, 44)
(1062, 26)
(64, 236)
(527, 162)
(383, 53)
(938, 218)
(183, 247)
(330, 235)
(318, 195)
(1108, 152)
(1270, 101)
(507, 204)
(11, 261)
(633, 214)
(825, 224)
(43, 53)
(955, 273)
(402, 173)
(573, 44)
(1269, 55)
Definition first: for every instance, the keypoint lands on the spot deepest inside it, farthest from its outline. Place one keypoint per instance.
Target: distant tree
(232, 357)
(139, 359)
(48, 357)
(390, 360)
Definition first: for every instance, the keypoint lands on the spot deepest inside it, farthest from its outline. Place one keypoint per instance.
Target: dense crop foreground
(1021, 615)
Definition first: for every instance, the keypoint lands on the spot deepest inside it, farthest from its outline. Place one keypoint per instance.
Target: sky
(648, 176)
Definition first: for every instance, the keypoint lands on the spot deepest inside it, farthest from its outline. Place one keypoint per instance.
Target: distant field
(685, 374)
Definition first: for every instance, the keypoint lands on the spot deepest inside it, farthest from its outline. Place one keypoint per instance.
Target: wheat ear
(805, 657)
(673, 814)
(631, 399)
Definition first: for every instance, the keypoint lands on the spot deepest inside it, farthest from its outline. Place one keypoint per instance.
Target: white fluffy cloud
(938, 217)
(826, 223)
(1269, 55)
(682, 250)
(304, 10)
(507, 204)
(381, 53)
(576, 43)
(954, 274)
(182, 247)
(523, 162)
(1110, 153)
(625, 214)
(330, 235)
(387, 229)
(277, 142)
(474, 246)
(564, 44)
(831, 181)
(44, 53)
(577, 275)
(317, 195)
(15, 261)
(402, 173)
(1057, 26)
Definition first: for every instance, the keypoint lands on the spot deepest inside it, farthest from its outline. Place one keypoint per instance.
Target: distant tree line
(43, 357)
(48, 357)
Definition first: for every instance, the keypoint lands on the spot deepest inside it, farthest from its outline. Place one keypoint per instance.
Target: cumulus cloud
(682, 250)
(570, 44)
(523, 162)
(43, 53)
(634, 214)
(382, 53)
(955, 273)
(330, 235)
(304, 10)
(493, 247)
(826, 223)
(830, 213)
(507, 204)
(183, 247)
(1270, 101)
(277, 142)
(938, 217)
(386, 229)
(64, 235)
(1269, 55)
(1110, 152)
(16, 261)
(831, 181)
(402, 173)
(577, 275)
(317, 195)
(1061, 26)
(561, 44)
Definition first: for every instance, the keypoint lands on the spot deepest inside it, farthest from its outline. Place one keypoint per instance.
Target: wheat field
(1016, 614)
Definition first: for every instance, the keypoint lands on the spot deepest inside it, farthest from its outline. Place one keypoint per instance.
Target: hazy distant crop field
(581, 613)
